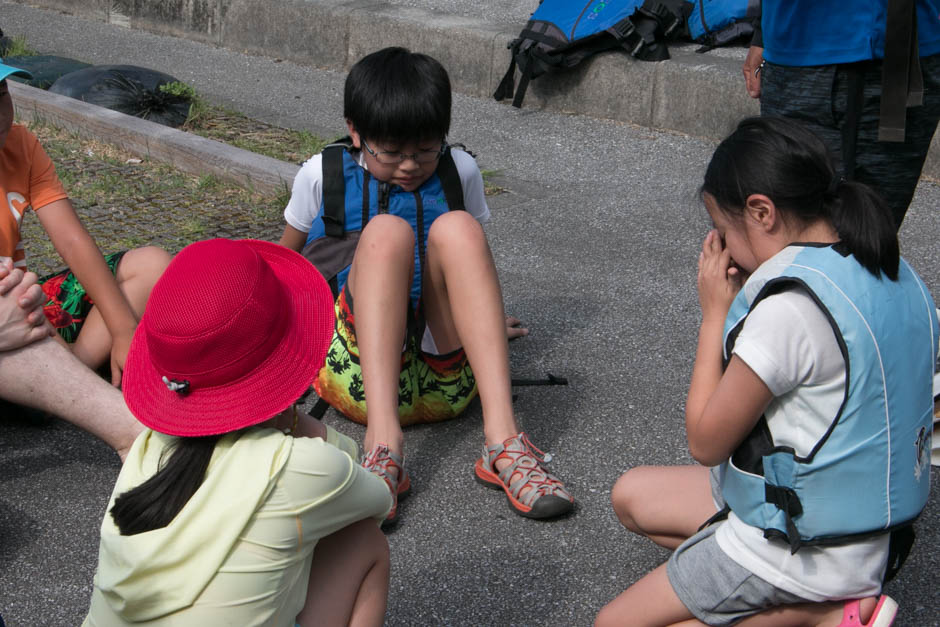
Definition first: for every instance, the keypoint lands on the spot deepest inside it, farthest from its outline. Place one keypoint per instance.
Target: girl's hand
(718, 278)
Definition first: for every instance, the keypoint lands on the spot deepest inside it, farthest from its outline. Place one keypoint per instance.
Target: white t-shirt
(788, 342)
(306, 201)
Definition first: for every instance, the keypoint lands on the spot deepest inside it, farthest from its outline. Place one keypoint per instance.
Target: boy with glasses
(393, 217)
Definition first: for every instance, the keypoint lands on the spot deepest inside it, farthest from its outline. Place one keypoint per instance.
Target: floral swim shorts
(67, 303)
(431, 388)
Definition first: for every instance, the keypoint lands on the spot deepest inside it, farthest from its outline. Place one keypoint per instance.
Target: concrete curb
(187, 152)
(700, 95)
(695, 94)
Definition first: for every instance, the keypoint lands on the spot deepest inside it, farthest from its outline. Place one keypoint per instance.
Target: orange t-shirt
(27, 180)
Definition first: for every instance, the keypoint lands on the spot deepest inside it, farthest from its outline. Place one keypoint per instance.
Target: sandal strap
(525, 463)
(381, 461)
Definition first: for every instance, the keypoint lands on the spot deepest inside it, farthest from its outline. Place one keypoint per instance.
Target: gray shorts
(715, 588)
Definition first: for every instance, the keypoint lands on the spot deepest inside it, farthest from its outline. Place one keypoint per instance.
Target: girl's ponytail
(865, 226)
(156, 502)
(783, 160)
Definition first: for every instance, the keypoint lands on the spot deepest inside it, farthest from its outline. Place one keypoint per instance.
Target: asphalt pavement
(596, 241)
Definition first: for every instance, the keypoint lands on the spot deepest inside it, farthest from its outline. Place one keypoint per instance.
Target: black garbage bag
(46, 69)
(5, 43)
(129, 89)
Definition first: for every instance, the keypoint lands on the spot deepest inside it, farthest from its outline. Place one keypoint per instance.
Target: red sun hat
(233, 333)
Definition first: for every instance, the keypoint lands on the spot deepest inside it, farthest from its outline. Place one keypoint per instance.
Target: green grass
(489, 187)
(233, 128)
(127, 205)
(19, 48)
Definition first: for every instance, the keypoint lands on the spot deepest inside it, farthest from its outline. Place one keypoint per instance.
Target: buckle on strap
(658, 11)
(626, 34)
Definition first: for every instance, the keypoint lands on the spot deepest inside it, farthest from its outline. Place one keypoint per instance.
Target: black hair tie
(832, 191)
(834, 184)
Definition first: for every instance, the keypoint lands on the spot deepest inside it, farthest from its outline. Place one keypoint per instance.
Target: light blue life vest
(351, 197)
(870, 472)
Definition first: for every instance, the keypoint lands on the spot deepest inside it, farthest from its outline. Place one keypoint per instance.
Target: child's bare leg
(136, 275)
(47, 376)
(348, 578)
(667, 504)
(380, 280)
(649, 602)
(463, 305)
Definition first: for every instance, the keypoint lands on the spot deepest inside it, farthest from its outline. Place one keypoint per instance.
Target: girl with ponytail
(809, 409)
(233, 508)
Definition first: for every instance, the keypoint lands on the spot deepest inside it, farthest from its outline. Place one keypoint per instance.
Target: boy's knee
(145, 261)
(456, 227)
(389, 233)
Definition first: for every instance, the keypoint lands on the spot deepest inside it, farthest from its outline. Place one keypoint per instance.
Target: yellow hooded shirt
(239, 551)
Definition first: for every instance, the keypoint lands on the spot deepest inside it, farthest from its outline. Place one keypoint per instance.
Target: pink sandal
(885, 613)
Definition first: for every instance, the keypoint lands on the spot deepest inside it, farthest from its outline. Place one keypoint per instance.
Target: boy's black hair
(783, 160)
(396, 96)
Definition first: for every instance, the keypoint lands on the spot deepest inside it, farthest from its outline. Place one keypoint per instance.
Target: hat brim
(269, 389)
(9, 70)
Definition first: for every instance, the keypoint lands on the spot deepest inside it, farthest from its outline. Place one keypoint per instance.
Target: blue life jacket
(869, 473)
(718, 22)
(351, 196)
(562, 33)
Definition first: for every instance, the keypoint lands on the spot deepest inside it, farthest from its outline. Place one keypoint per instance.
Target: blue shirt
(823, 32)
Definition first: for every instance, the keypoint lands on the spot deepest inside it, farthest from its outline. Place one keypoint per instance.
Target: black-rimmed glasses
(394, 158)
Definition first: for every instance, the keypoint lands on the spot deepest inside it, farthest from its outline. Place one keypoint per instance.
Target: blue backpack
(562, 33)
(715, 23)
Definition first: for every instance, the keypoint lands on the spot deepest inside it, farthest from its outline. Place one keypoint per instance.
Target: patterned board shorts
(67, 303)
(431, 388)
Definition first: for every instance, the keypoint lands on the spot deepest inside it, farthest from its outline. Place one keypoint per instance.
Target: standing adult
(864, 76)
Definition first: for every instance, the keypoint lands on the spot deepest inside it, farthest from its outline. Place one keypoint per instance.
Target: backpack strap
(334, 188)
(664, 14)
(532, 52)
(319, 409)
(902, 84)
(643, 32)
(899, 547)
(627, 35)
(853, 111)
(507, 85)
(450, 181)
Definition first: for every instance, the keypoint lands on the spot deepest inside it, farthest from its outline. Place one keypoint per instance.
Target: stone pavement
(595, 241)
